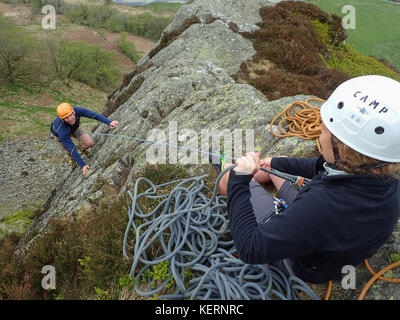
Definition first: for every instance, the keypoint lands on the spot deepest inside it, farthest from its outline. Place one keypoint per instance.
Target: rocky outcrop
(189, 82)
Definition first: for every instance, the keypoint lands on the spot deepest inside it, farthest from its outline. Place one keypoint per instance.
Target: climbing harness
(279, 205)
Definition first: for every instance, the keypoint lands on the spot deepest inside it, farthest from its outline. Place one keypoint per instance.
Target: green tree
(59, 5)
(78, 14)
(99, 14)
(15, 45)
(128, 48)
(89, 64)
(51, 43)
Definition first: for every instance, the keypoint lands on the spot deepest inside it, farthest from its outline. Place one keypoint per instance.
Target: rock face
(187, 83)
(30, 169)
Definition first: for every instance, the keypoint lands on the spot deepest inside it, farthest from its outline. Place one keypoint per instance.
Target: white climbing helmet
(364, 113)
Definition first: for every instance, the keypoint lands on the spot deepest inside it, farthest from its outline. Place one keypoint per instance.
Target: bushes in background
(15, 45)
(128, 48)
(145, 25)
(59, 5)
(88, 63)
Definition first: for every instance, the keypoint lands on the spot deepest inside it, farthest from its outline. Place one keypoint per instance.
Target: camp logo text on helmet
(364, 113)
(64, 110)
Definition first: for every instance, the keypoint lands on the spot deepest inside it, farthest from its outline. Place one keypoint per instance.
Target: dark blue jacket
(334, 221)
(63, 130)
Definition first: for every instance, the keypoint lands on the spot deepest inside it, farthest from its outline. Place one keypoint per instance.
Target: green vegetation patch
(128, 48)
(145, 24)
(355, 64)
(88, 64)
(85, 250)
(376, 27)
(301, 50)
(345, 58)
(163, 7)
(18, 222)
(20, 119)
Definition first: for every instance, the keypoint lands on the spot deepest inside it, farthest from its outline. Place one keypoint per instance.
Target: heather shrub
(304, 50)
(85, 249)
(86, 252)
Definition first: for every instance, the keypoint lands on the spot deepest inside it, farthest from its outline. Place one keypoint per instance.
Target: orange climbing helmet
(64, 110)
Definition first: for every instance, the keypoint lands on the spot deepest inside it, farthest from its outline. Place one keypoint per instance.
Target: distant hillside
(27, 105)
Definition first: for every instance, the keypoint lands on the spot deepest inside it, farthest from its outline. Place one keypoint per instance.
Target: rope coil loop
(304, 122)
(191, 233)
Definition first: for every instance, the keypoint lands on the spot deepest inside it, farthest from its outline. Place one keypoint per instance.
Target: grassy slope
(163, 7)
(30, 107)
(377, 26)
(27, 109)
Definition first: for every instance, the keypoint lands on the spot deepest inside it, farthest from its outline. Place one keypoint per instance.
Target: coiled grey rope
(192, 232)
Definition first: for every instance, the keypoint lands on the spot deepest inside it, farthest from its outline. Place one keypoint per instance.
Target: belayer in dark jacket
(67, 125)
(352, 204)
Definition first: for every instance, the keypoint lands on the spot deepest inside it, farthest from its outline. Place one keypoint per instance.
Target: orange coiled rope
(378, 276)
(304, 121)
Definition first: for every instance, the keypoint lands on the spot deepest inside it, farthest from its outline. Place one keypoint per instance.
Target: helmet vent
(379, 130)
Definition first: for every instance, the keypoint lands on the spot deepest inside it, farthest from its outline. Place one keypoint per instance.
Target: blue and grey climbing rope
(191, 231)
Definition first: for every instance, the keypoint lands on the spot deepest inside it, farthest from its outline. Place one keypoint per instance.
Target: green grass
(355, 64)
(347, 59)
(377, 27)
(17, 222)
(163, 7)
(21, 116)
(22, 119)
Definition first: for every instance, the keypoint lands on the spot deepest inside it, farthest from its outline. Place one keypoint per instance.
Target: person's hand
(85, 169)
(113, 124)
(248, 164)
(266, 163)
